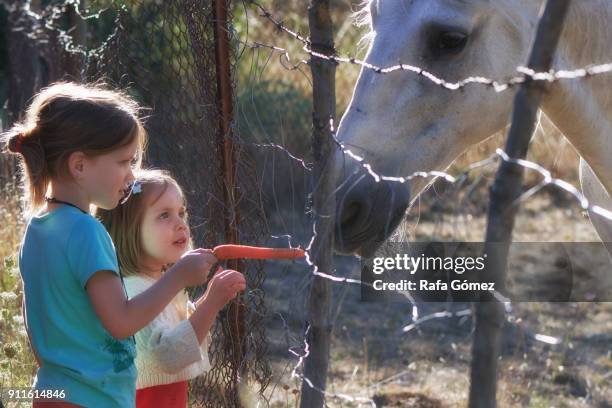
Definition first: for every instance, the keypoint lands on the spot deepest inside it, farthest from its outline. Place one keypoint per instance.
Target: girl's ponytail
(26, 142)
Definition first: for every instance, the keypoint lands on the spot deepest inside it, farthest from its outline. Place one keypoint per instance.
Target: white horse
(403, 123)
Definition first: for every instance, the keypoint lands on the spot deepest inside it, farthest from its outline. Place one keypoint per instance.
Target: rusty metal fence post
(236, 310)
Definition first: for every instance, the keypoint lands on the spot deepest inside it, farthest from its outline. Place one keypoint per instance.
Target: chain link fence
(163, 53)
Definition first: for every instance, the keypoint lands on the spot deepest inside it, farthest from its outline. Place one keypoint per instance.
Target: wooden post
(324, 108)
(506, 189)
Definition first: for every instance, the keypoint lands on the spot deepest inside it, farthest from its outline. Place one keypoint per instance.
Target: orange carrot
(230, 251)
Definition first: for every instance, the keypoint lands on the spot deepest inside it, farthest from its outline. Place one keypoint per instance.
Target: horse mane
(363, 18)
(592, 29)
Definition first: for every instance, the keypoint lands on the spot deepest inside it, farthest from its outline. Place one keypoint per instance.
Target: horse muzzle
(367, 213)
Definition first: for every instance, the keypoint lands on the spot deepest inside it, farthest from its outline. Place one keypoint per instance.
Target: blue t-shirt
(60, 251)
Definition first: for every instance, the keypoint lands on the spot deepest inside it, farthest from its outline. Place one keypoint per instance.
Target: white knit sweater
(167, 349)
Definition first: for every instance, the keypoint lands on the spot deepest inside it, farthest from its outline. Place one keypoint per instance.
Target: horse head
(401, 122)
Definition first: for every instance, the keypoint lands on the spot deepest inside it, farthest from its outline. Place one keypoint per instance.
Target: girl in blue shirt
(79, 145)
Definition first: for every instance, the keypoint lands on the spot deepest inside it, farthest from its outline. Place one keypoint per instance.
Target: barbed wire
(417, 321)
(340, 396)
(499, 86)
(283, 53)
(547, 179)
(495, 84)
(499, 155)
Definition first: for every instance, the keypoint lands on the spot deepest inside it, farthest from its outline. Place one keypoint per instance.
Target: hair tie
(19, 142)
(136, 187)
(133, 189)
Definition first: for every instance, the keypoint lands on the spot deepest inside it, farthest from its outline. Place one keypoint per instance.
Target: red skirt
(173, 395)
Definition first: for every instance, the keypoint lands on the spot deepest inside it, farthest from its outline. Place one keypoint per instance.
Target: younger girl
(151, 232)
(78, 145)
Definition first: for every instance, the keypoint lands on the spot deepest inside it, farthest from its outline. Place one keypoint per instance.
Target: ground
(428, 366)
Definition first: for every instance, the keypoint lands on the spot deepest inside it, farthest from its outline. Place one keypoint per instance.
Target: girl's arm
(223, 287)
(203, 318)
(121, 317)
(172, 345)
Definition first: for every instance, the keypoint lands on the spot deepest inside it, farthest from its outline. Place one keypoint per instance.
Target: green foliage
(274, 111)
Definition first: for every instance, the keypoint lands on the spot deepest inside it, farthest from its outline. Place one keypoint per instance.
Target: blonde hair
(124, 223)
(68, 117)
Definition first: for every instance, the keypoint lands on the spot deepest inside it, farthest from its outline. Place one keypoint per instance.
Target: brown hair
(124, 223)
(68, 117)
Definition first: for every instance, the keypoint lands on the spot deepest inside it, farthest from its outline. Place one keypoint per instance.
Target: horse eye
(449, 42)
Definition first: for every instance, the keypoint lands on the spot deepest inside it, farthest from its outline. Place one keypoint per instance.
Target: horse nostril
(350, 213)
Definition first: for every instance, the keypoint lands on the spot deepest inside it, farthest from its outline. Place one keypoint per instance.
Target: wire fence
(164, 52)
(498, 86)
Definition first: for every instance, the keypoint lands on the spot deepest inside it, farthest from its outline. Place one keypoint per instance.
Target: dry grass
(548, 148)
(17, 365)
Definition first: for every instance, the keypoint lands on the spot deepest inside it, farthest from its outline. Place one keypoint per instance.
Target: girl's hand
(223, 287)
(194, 266)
